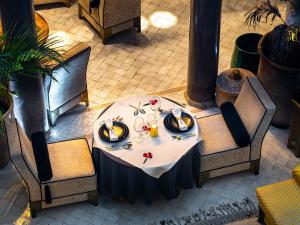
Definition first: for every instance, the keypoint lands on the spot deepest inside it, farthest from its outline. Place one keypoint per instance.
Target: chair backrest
(70, 81)
(21, 154)
(114, 12)
(256, 110)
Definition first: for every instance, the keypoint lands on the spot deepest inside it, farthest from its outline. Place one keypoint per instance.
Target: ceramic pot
(245, 53)
(281, 83)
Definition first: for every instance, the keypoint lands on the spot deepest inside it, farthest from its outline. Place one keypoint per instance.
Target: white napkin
(112, 134)
(177, 114)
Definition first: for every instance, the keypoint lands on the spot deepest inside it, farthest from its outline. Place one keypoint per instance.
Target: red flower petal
(145, 155)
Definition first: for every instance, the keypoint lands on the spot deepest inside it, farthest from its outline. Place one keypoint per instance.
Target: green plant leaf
(24, 54)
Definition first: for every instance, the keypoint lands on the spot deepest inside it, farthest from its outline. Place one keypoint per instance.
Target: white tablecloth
(165, 150)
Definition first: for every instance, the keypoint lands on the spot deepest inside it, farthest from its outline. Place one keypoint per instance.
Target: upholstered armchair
(112, 16)
(279, 203)
(73, 177)
(219, 152)
(42, 2)
(69, 86)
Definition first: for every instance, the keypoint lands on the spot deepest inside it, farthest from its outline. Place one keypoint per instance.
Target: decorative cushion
(296, 174)
(280, 202)
(235, 124)
(70, 159)
(41, 156)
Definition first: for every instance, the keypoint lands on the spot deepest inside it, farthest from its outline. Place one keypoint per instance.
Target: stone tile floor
(154, 61)
(151, 61)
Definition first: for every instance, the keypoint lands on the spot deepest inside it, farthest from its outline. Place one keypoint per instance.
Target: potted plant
(279, 50)
(22, 55)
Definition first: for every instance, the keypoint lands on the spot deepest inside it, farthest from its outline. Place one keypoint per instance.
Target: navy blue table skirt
(128, 182)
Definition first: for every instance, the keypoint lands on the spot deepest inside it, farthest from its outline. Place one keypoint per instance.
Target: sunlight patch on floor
(163, 19)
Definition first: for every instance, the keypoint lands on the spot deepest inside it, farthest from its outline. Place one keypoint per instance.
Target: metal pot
(280, 82)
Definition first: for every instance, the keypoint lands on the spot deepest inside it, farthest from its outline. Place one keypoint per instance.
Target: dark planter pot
(293, 13)
(280, 82)
(4, 150)
(245, 53)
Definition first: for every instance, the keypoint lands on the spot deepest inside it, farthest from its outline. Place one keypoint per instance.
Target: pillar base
(200, 105)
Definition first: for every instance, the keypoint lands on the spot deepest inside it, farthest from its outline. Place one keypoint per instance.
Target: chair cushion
(218, 148)
(41, 156)
(70, 159)
(235, 124)
(215, 135)
(280, 202)
(296, 174)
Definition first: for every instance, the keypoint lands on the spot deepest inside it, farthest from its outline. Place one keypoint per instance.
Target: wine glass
(155, 104)
(140, 127)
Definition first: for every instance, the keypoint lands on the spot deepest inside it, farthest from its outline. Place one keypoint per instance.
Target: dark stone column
(205, 20)
(29, 104)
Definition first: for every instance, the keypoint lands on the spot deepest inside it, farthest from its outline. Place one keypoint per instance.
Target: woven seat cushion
(280, 202)
(296, 174)
(218, 148)
(215, 135)
(70, 159)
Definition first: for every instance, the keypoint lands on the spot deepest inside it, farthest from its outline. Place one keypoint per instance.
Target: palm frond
(24, 54)
(262, 12)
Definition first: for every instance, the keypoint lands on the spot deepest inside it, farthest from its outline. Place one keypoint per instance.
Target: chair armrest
(69, 54)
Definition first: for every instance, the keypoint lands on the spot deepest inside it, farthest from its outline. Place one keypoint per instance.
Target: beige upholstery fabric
(256, 110)
(251, 118)
(112, 16)
(66, 90)
(219, 153)
(65, 162)
(114, 12)
(215, 135)
(70, 81)
(73, 171)
(66, 200)
(31, 181)
(67, 187)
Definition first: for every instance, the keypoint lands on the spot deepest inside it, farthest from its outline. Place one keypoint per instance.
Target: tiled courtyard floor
(154, 61)
(150, 61)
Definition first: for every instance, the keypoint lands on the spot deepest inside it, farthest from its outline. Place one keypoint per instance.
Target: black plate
(171, 122)
(120, 128)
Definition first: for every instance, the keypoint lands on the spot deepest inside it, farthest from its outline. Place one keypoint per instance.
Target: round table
(42, 27)
(122, 174)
